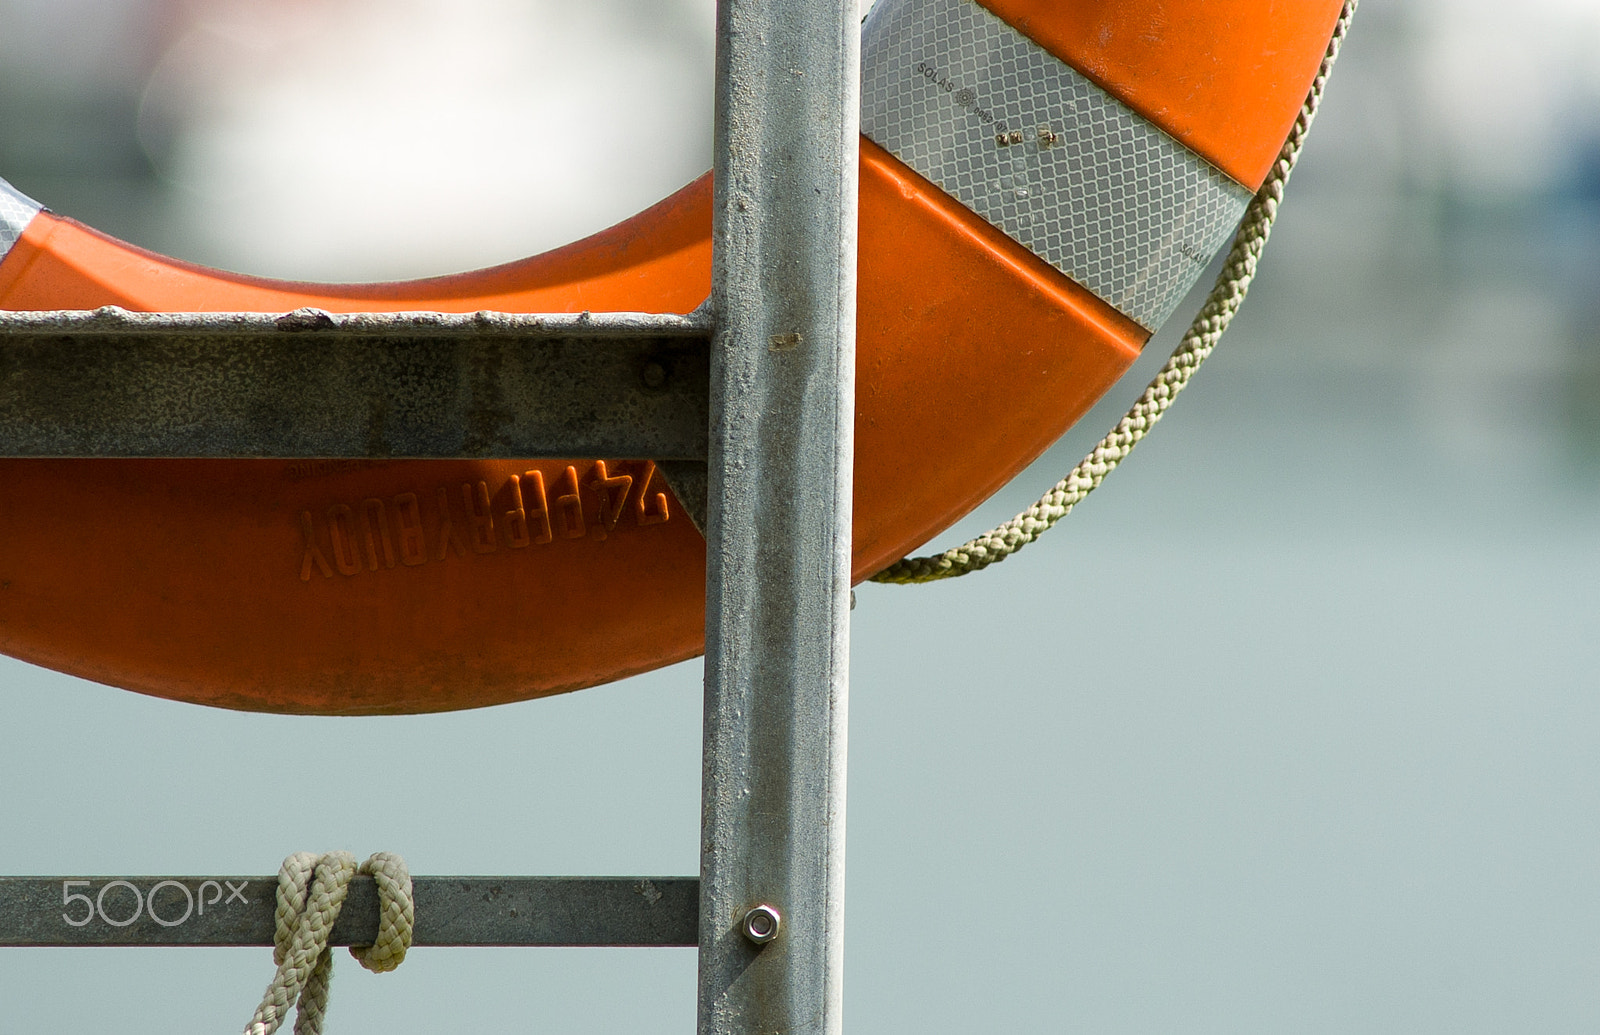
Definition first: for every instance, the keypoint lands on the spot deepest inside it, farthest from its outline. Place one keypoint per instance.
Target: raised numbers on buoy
(380, 533)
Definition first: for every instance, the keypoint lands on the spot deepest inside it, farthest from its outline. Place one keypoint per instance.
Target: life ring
(1041, 181)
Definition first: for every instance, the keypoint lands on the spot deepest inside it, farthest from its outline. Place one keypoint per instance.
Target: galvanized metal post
(782, 424)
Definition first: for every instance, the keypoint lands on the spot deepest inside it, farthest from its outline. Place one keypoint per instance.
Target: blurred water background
(1293, 727)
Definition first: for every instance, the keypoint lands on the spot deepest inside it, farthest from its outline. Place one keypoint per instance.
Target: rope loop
(1227, 295)
(311, 892)
(397, 914)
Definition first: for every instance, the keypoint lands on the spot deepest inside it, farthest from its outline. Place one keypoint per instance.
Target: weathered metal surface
(778, 542)
(200, 911)
(689, 480)
(307, 384)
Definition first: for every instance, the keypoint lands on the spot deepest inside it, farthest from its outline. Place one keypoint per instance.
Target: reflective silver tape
(1031, 145)
(16, 212)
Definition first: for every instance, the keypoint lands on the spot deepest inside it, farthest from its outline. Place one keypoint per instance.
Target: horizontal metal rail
(484, 911)
(308, 384)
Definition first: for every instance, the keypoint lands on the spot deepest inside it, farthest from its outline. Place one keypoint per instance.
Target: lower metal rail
(481, 911)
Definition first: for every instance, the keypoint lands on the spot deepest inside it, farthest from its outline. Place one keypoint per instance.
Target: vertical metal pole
(778, 536)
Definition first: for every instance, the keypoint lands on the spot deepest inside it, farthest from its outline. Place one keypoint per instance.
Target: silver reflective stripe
(1031, 145)
(16, 212)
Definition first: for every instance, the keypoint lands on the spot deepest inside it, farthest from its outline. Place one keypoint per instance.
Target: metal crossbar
(308, 384)
(451, 911)
(775, 390)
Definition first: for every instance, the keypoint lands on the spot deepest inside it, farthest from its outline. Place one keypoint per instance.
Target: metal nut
(761, 924)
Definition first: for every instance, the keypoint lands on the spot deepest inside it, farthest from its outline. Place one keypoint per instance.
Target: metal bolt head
(761, 924)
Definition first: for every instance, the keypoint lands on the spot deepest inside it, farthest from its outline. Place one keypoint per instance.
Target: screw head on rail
(761, 924)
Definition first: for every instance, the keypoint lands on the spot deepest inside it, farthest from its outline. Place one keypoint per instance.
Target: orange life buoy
(1041, 181)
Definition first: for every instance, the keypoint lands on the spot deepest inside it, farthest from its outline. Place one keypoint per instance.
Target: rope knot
(311, 892)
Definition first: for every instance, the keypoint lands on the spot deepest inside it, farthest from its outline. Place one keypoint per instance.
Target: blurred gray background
(1294, 727)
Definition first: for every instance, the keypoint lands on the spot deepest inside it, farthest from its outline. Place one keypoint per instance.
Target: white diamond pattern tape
(1031, 145)
(16, 212)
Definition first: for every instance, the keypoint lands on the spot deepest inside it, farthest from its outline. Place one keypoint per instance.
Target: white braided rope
(311, 892)
(1227, 295)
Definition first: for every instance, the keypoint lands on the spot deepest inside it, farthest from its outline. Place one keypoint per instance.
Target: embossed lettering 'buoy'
(1041, 182)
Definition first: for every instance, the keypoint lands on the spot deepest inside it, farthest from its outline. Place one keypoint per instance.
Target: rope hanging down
(311, 891)
(1202, 336)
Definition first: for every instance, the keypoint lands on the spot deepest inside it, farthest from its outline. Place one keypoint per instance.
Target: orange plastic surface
(355, 587)
(1226, 77)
